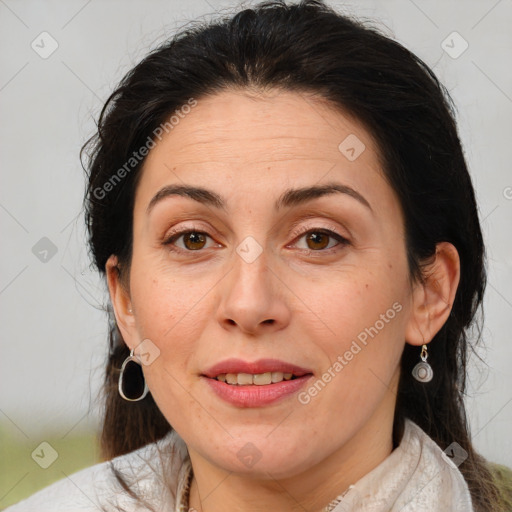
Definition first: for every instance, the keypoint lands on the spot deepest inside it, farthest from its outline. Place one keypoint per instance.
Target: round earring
(132, 384)
(423, 372)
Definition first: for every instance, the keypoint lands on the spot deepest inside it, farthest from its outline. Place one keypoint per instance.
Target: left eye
(318, 239)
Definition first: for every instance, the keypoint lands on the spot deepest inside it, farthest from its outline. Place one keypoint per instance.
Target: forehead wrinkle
(218, 141)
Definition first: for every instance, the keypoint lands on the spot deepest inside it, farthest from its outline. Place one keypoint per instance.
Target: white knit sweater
(416, 477)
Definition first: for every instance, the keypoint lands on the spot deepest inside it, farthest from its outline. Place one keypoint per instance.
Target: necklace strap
(335, 502)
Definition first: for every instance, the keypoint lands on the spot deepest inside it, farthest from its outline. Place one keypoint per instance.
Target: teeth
(260, 379)
(277, 376)
(244, 379)
(231, 378)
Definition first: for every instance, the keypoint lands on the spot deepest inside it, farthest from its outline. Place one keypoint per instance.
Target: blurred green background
(21, 475)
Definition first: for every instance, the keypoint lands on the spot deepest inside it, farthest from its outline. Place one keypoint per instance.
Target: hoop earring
(134, 388)
(423, 372)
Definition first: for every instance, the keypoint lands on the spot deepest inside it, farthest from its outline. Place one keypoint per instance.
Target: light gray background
(53, 331)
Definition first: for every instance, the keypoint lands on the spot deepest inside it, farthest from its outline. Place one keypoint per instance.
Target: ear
(121, 302)
(432, 300)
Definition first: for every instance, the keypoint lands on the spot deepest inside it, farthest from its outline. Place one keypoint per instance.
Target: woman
(284, 217)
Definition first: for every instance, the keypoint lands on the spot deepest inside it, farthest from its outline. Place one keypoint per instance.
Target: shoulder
(98, 488)
(444, 464)
(76, 492)
(435, 477)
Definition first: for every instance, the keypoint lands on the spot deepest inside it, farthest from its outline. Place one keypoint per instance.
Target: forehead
(274, 121)
(243, 142)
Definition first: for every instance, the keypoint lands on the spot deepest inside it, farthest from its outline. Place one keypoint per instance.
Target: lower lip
(256, 396)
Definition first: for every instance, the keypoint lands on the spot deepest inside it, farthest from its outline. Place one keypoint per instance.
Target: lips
(256, 394)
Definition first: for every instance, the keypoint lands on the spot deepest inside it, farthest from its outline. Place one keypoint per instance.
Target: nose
(253, 298)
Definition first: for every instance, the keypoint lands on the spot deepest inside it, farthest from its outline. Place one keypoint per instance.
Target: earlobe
(121, 301)
(433, 299)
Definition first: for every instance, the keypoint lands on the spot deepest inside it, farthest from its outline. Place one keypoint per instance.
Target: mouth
(258, 373)
(255, 384)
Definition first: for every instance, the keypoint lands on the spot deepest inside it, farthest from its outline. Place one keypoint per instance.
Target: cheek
(366, 316)
(168, 314)
(356, 299)
(165, 298)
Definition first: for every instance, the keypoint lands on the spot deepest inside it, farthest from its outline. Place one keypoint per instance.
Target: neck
(214, 489)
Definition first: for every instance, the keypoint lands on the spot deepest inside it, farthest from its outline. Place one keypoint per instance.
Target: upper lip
(255, 367)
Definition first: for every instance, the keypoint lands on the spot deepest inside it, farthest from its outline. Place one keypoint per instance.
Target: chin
(262, 459)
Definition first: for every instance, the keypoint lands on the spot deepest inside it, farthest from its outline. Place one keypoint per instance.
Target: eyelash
(342, 241)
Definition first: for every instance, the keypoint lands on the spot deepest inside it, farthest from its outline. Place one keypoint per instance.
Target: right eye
(193, 240)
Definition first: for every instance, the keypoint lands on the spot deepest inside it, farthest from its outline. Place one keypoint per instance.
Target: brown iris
(316, 238)
(196, 240)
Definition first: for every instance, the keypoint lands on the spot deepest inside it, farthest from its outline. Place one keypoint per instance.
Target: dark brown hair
(308, 47)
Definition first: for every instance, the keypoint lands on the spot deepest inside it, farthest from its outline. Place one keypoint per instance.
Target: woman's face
(264, 272)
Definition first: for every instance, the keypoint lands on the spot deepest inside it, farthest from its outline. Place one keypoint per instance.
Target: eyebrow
(291, 197)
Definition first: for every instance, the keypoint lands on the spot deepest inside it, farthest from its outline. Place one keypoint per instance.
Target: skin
(205, 305)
